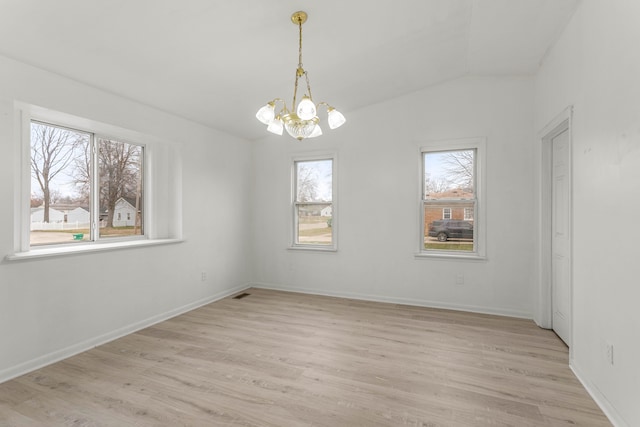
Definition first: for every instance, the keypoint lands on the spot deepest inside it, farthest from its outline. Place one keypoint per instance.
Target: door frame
(544, 312)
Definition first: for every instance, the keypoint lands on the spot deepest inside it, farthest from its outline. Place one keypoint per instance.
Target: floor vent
(242, 295)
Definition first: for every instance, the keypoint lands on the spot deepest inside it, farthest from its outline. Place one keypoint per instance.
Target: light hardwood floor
(287, 359)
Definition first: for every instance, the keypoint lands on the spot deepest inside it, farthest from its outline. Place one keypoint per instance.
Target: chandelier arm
(324, 104)
(284, 104)
(295, 91)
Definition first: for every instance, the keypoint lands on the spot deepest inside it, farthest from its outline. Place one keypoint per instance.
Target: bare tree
(436, 185)
(307, 184)
(82, 173)
(119, 168)
(36, 200)
(52, 152)
(459, 169)
(55, 197)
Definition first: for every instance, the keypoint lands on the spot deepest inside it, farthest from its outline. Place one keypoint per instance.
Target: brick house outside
(455, 204)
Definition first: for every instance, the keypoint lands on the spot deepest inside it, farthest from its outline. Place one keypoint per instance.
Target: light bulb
(306, 109)
(335, 118)
(276, 126)
(266, 113)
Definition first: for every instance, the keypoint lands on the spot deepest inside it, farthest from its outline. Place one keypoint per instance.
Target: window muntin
(448, 198)
(313, 203)
(69, 176)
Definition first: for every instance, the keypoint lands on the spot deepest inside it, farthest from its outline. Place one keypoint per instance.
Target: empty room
(298, 213)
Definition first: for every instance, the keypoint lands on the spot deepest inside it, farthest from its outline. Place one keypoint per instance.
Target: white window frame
(310, 157)
(480, 218)
(156, 232)
(446, 211)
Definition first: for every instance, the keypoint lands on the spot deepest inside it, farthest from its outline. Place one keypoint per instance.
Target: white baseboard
(396, 300)
(599, 398)
(56, 356)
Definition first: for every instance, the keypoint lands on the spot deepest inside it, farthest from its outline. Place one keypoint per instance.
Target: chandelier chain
(295, 92)
(306, 76)
(300, 70)
(300, 44)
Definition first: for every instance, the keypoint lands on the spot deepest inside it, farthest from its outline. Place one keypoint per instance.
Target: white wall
(378, 191)
(595, 66)
(52, 307)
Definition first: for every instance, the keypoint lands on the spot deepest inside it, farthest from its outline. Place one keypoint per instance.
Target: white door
(560, 236)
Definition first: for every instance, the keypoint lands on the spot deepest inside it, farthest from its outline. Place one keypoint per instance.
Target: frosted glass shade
(266, 113)
(306, 109)
(316, 132)
(276, 126)
(297, 126)
(335, 118)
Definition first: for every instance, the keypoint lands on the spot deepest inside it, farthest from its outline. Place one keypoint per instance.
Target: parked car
(446, 229)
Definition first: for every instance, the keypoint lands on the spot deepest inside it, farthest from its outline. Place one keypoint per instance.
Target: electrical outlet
(459, 279)
(203, 276)
(609, 350)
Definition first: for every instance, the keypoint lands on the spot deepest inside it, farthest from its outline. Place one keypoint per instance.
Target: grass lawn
(119, 231)
(104, 231)
(315, 232)
(450, 246)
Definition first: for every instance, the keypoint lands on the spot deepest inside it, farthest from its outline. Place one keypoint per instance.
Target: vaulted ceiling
(217, 62)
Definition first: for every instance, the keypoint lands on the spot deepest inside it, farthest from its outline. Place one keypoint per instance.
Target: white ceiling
(217, 62)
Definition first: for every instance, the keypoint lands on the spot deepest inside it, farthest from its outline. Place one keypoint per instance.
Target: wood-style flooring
(288, 359)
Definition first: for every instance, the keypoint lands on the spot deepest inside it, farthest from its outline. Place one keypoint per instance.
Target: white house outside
(61, 217)
(78, 214)
(37, 215)
(124, 214)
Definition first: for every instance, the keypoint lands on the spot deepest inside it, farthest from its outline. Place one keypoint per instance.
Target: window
(314, 225)
(451, 199)
(468, 214)
(88, 165)
(81, 184)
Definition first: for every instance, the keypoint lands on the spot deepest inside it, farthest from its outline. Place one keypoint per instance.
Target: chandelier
(303, 122)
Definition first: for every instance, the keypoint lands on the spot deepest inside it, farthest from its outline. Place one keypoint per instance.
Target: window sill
(313, 248)
(450, 256)
(88, 248)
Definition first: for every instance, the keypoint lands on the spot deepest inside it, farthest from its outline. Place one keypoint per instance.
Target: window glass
(449, 200)
(82, 186)
(313, 204)
(60, 202)
(120, 172)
